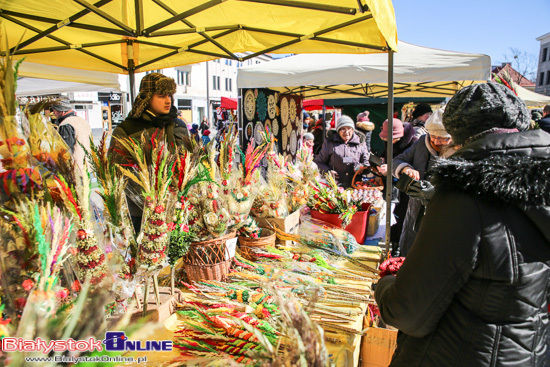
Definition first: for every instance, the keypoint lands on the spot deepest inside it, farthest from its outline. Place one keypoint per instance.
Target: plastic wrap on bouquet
(209, 215)
(239, 198)
(250, 228)
(272, 199)
(336, 236)
(124, 286)
(323, 233)
(299, 176)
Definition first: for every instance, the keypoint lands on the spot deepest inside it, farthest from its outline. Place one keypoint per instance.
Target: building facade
(543, 72)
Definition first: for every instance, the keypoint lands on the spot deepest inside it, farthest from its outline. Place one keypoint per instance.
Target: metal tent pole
(389, 157)
(208, 116)
(131, 71)
(324, 127)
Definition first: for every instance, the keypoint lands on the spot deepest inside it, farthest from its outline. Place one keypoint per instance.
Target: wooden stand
(155, 280)
(172, 279)
(153, 311)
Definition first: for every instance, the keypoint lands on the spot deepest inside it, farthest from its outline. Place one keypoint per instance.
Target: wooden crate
(377, 347)
(289, 225)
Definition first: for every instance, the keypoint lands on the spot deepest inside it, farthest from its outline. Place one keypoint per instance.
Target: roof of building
(517, 77)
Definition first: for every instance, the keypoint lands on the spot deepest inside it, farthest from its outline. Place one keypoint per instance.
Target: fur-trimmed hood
(506, 168)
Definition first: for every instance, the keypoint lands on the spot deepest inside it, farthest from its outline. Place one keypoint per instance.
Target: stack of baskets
(247, 244)
(208, 260)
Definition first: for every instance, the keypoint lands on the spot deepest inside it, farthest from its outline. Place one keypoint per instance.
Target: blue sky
(477, 26)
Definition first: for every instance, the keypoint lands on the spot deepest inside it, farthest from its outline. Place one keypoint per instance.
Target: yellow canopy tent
(123, 36)
(126, 36)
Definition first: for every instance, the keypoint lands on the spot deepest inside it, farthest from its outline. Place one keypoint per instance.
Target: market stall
(37, 79)
(81, 256)
(417, 71)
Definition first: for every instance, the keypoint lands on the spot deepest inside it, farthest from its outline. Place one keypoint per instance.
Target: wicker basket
(247, 244)
(207, 272)
(209, 259)
(378, 181)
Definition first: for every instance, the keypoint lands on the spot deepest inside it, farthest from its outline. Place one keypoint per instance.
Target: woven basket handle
(358, 172)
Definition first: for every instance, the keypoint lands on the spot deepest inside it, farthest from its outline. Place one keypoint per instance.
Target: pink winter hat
(398, 130)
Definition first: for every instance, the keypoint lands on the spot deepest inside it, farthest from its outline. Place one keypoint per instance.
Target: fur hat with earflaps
(151, 84)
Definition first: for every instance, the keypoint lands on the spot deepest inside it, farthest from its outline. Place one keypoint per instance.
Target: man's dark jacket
(473, 290)
(174, 133)
(544, 123)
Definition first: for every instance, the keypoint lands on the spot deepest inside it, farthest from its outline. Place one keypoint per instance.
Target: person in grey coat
(415, 162)
(473, 290)
(343, 153)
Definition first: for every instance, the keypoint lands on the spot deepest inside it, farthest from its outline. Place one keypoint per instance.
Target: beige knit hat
(434, 124)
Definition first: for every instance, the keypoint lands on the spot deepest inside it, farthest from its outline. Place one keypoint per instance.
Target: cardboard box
(373, 223)
(289, 224)
(377, 347)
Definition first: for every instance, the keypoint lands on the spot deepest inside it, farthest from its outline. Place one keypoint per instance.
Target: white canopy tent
(418, 72)
(530, 98)
(38, 79)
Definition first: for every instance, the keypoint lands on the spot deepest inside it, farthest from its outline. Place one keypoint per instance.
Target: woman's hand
(414, 174)
(335, 174)
(383, 169)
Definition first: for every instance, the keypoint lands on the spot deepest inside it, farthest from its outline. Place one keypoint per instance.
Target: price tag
(231, 248)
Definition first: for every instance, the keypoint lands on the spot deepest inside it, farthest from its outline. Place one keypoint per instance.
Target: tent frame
(156, 30)
(129, 36)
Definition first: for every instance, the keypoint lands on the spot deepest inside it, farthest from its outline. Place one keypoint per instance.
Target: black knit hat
(481, 107)
(421, 109)
(151, 84)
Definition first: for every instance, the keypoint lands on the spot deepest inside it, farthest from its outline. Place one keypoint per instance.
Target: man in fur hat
(153, 110)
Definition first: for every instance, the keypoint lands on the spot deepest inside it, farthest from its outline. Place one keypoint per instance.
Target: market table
(345, 352)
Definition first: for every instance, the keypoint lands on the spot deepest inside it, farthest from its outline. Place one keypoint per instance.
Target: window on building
(541, 78)
(548, 77)
(228, 84)
(215, 82)
(229, 62)
(184, 104)
(544, 54)
(184, 78)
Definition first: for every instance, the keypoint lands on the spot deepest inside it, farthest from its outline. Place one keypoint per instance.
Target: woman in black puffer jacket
(473, 290)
